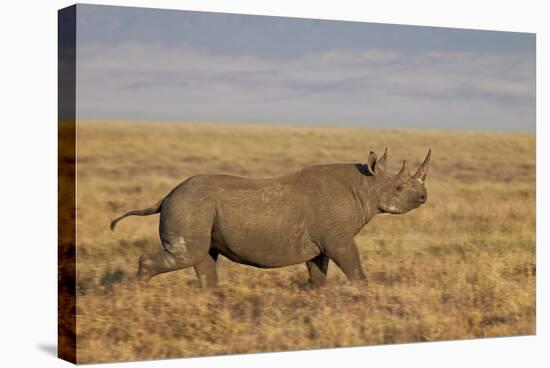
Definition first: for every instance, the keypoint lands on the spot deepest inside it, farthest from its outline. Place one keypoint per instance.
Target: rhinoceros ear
(381, 163)
(372, 161)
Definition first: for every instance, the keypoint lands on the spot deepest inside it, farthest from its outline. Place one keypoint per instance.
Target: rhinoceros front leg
(344, 253)
(317, 268)
(206, 270)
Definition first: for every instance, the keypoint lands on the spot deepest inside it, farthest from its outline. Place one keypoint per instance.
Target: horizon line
(145, 121)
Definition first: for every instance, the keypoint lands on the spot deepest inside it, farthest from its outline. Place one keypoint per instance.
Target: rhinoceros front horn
(423, 169)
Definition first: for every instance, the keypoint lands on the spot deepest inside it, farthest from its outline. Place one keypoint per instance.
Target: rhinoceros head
(402, 192)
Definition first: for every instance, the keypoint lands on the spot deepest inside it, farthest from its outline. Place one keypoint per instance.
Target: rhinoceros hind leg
(176, 254)
(206, 270)
(162, 261)
(185, 236)
(317, 268)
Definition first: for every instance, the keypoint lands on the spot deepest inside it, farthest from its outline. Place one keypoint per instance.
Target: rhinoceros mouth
(394, 211)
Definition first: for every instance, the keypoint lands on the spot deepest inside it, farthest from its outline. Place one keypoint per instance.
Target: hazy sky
(149, 64)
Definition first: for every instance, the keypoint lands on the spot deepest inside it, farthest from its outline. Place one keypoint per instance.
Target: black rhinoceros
(309, 216)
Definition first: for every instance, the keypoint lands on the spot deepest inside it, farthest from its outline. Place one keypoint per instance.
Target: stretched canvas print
(238, 184)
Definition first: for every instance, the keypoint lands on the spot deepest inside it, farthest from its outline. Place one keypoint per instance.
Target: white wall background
(28, 180)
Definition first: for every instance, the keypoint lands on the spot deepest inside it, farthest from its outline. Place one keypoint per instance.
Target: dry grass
(462, 266)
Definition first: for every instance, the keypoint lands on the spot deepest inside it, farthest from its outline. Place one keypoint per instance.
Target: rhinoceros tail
(144, 212)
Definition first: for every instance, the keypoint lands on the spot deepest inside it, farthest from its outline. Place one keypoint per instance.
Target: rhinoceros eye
(399, 188)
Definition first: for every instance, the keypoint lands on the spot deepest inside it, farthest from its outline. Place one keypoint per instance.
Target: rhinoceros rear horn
(404, 170)
(423, 169)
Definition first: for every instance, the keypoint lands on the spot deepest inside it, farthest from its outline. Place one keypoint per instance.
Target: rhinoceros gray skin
(309, 217)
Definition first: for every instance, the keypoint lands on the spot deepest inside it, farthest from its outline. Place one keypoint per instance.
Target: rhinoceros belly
(262, 232)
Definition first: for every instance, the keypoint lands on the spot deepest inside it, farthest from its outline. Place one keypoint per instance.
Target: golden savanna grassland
(460, 267)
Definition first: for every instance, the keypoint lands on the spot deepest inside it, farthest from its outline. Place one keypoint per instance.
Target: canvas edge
(66, 156)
